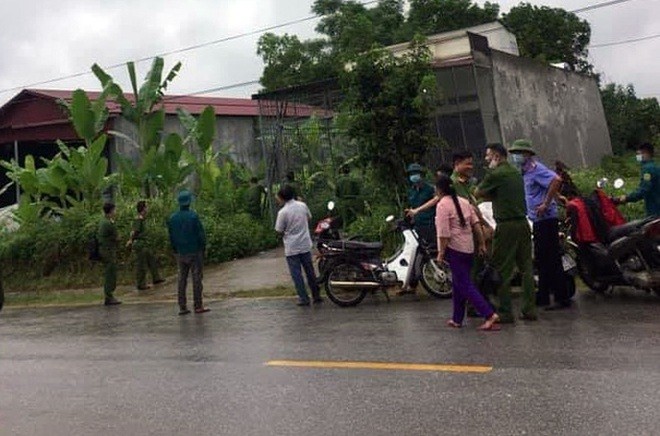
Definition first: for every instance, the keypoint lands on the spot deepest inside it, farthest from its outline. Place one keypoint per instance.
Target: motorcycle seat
(356, 245)
(626, 229)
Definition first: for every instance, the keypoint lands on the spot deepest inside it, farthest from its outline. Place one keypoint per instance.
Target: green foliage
(428, 17)
(53, 250)
(551, 35)
(160, 168)
(632, 121)
(389, 103)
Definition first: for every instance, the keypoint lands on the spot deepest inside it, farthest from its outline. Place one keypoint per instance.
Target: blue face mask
(518, 160)
(415, 178)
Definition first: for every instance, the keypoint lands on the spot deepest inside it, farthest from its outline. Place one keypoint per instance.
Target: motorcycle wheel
(437, 283)
(345, 297)
(587, 278)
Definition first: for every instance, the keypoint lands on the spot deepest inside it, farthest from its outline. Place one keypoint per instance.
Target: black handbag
(488, 279)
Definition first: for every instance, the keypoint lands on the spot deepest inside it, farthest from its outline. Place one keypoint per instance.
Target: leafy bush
(53, 252)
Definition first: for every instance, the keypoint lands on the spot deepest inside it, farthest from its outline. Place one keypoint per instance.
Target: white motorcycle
(350, 269)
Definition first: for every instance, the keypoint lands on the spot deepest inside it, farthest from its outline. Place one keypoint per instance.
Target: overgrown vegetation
(61, 203)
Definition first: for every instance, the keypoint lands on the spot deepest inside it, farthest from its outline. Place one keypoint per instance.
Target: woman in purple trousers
(456, 222)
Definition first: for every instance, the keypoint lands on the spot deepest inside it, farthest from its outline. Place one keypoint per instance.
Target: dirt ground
(266, 270)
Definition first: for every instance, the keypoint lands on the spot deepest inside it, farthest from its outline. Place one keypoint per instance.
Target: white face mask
(517, 159)
(639, 157)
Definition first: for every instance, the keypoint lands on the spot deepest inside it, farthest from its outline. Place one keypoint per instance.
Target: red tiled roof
(240, 107)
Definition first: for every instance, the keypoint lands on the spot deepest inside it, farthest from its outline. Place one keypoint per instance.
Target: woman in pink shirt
(455, 222)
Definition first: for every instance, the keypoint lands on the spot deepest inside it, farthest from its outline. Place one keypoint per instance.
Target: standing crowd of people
(446, 218)
(187, 239)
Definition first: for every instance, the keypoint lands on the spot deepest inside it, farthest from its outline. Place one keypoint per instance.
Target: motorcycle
(613, 255)
(351, 269)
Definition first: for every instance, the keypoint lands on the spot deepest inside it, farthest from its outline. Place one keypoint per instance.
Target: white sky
(45, 39)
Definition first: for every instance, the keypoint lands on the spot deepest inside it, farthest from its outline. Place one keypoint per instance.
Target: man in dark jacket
(189, 242)
(649, 184)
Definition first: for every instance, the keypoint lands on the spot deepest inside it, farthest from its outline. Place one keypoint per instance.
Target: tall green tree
(631, 120)
(551, 35)
(428, 17)
(388, 107)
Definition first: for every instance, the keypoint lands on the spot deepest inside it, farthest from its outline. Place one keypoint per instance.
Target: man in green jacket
(512, 242)
(144, 257)
(649, 185)
(108, 244)
(189, 243)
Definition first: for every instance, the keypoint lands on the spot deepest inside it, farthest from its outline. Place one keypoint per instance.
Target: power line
(627, 41)
(598, 6)
(256, 32)
(180, 50)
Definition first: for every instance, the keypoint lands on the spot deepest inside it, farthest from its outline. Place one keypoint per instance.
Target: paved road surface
(142, 370)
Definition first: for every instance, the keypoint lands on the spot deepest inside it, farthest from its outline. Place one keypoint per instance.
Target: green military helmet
(522, 146)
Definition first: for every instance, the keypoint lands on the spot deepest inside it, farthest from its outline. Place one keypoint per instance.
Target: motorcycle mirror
(618, 183)
(390, 218)
(331, 205)
(601, 183)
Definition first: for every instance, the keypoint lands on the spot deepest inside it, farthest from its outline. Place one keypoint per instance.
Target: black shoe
(112, 301)
(184, 311)
(529, 316)
(472, 313)
(302, 303)
(559, 306)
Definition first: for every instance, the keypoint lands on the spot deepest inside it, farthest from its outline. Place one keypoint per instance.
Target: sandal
(491, 324)
(453, 324)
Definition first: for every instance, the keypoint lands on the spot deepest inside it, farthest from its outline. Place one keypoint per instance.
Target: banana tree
(201, 132)
(143, 112)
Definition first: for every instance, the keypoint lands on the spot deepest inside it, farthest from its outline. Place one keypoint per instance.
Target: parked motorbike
(618, 255)
(351, 269)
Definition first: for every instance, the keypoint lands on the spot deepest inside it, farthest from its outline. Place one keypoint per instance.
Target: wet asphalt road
(142, 370)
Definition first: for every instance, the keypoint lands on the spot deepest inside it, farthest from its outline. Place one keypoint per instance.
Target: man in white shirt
(293, 224)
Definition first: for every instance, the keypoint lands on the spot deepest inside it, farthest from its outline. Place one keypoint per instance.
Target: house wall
(559, 111)
(237, 134)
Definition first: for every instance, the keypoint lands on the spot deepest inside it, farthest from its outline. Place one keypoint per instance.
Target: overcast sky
(43, 39)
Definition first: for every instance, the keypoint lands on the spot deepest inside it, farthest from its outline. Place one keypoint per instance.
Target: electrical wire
(627, 41)
(598, 6)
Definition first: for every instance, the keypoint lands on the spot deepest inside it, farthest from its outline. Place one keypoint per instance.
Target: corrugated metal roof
(240, 107)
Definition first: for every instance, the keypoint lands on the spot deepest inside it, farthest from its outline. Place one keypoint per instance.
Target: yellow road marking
(381, 365)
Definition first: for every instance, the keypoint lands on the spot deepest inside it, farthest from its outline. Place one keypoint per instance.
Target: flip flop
(453, 324)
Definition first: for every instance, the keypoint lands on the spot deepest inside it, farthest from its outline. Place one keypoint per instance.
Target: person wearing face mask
(541, 189)
(512, 241)
(420, 193)
(649, 184)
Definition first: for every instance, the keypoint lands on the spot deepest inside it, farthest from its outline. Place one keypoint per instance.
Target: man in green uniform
(649, 185)
(348, 194)
(512, 242)
(254, 201)
(145, 258)
(108, 244)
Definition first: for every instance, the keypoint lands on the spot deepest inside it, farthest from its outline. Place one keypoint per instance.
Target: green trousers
(109, 276)
(145, 260)
(512, 248)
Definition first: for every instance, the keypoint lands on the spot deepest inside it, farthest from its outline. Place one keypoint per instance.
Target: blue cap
(184, 198)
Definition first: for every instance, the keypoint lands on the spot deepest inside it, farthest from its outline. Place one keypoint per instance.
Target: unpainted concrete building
(491, 94)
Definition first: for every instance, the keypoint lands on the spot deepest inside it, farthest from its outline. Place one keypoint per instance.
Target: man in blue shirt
(541, 187)
(649, 185)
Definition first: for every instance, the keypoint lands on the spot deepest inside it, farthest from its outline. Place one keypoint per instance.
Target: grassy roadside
(95, 297)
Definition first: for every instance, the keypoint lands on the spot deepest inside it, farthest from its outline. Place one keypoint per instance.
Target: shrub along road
(254, 367)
